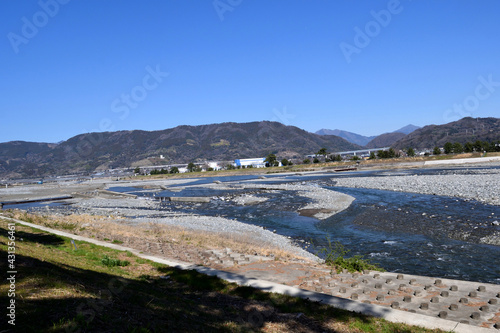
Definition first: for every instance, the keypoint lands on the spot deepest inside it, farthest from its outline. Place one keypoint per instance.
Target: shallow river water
(403, 232)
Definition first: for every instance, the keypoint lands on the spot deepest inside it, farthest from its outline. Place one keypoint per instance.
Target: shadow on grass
(44, 239)
(52, 297)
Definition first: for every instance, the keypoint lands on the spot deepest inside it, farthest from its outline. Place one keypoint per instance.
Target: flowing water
(402, 232)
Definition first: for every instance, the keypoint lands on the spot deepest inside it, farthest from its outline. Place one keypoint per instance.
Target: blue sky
(70, 67)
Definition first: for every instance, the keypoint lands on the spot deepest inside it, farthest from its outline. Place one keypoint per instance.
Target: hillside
(349, 136)
(463, 130)
(385, 140)
(182, 144)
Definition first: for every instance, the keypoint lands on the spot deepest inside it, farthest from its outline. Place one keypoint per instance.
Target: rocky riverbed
(321, 203)
(482, 185)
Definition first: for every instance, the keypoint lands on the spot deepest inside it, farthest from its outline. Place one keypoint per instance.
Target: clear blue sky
(86, 66)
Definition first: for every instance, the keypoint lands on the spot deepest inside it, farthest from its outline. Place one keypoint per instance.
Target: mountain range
(216, 142)
(383, 140)
(464, 130)
(90, 152)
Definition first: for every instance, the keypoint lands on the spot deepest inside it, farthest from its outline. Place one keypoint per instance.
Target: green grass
(335, 256)
(60, 289)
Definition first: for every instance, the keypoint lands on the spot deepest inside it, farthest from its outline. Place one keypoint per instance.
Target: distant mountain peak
(407, 129)
(349, 136)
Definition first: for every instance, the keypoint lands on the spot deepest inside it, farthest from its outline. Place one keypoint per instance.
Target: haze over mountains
(365, 140)
(86, 153)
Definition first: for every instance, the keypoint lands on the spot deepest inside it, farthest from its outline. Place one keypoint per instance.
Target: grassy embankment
(60, 288)
(122, 231)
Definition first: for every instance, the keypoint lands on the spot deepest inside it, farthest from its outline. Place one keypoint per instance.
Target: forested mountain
(182, 144)
(464, 130)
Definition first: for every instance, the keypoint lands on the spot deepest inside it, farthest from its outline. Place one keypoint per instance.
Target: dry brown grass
(121, 230)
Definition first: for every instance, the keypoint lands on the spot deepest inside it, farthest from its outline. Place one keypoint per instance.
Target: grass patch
(335, 256)
(112, 262)
(60, 289)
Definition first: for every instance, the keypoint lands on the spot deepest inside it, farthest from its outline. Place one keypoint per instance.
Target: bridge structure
(361, 152)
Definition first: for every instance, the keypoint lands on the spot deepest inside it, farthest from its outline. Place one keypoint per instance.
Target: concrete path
(450, 305)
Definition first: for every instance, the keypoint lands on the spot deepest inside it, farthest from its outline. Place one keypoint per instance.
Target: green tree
(355, 158)
(322, 152)
(391, 153)
(436, 151)
(284, 162)
(411, 152)
(306, 161)
(458, 148)
(468, 148)
(315, 160)
(174, 170)
(191, 167)
(383, 154)
(485, 146)
(478, 145)
(448, 148)
(137, 170)
(271, 160)
(372, 156)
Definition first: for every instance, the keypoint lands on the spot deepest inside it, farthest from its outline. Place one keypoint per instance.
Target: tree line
(469, 147)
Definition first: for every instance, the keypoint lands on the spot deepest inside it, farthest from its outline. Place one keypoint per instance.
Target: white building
(254, 162)
(214, 165)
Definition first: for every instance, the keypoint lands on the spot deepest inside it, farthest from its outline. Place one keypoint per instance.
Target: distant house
(254, 162)
(213, 165)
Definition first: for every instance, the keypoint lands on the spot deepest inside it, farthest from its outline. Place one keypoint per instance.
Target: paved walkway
(452, 305)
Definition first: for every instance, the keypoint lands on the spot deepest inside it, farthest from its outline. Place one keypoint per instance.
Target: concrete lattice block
(443, 314)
